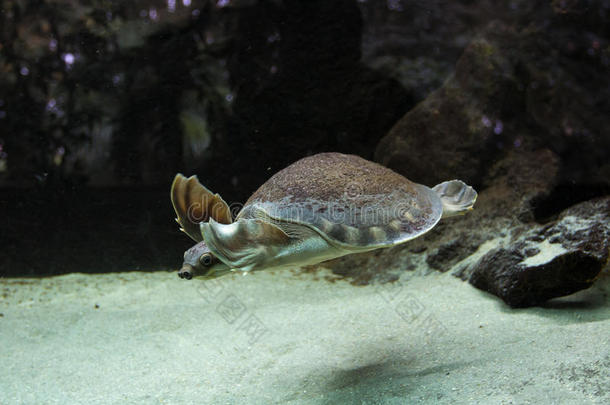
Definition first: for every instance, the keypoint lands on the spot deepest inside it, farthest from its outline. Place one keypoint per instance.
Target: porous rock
(550, 260)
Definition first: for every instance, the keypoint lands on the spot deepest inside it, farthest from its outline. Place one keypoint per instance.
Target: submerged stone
(550, 260)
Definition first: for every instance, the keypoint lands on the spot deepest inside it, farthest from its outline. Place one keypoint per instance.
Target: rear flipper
(457, 197)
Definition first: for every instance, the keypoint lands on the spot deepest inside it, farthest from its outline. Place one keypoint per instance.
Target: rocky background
(101, 103)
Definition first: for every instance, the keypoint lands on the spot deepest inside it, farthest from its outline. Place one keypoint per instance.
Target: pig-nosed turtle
(319, 208)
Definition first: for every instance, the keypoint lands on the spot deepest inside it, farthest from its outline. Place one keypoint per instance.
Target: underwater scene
(304, 202)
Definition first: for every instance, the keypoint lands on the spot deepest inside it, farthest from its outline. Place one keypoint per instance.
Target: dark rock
(417, 248)
(415, 43)
(549, 261)
(505, 205)
(514, 89)
(518, 182)
(519, 119)
(379, 266)
(529, 252)
(448, 254)
(423, 145)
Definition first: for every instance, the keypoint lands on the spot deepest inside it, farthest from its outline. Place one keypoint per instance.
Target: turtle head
(200, 262)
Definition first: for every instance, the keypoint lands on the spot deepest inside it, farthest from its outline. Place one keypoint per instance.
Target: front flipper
(247, 244)
(194, 204)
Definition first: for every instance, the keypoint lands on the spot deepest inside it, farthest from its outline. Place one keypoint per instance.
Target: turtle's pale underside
(319, 208)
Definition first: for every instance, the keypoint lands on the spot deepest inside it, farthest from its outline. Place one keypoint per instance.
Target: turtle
(319, 208)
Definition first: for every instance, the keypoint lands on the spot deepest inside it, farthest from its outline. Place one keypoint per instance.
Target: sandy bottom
(151, 338)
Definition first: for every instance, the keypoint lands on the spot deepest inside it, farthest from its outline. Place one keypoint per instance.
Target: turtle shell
(350, 201)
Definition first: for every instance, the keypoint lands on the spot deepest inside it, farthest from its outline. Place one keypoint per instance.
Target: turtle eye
(205, 259)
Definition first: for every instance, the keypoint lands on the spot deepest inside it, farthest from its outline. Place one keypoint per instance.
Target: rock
(517, 184)
(448, 254)
(507, 201)
(368, 268)
(417, 44)
(455, 132)
(551, 260)
(521, 120)
(515, 88)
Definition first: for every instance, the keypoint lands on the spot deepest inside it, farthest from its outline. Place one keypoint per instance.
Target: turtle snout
(186, 272)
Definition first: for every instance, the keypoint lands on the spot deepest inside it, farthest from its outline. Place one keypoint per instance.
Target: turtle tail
(457, 197)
